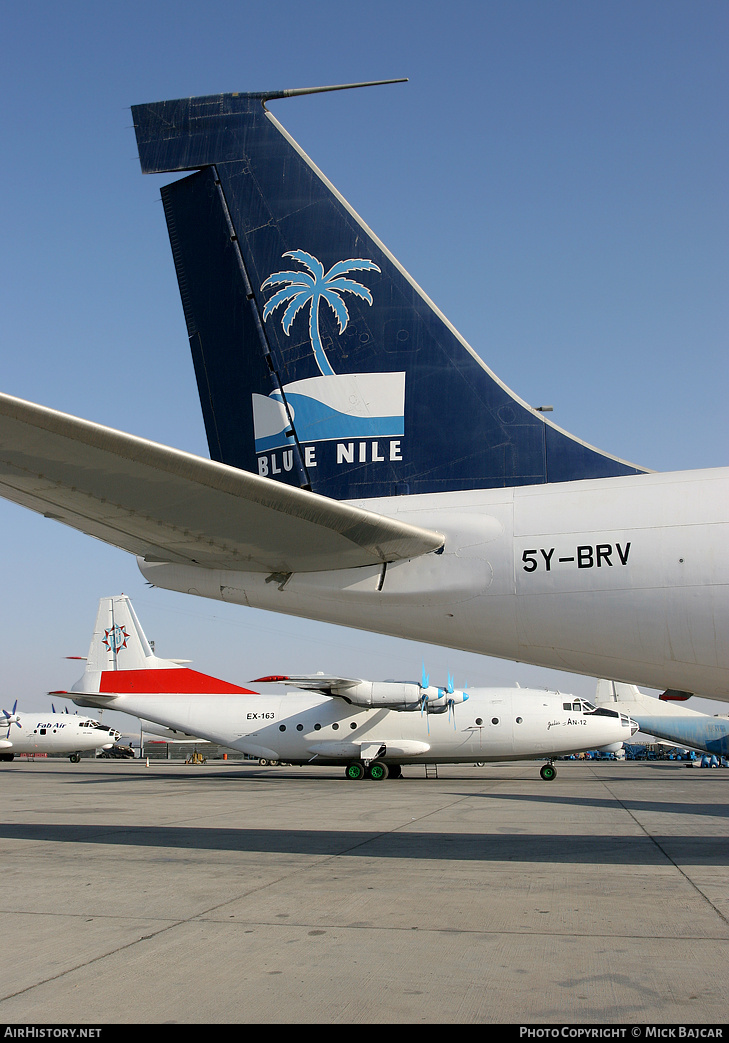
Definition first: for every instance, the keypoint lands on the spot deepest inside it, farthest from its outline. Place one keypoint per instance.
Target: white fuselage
(621, 578)
(53, 733)
(304, 727)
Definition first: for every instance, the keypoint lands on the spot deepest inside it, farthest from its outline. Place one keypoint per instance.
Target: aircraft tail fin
(122, 661)
(118, 642)
(319, 361)
(610, 693)
(627, 698)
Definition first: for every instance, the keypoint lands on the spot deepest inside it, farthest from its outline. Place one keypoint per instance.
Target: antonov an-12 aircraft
(52, 733)
(370, 728)
(368, 468)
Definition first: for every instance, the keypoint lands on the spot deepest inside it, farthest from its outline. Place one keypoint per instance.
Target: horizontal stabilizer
(95, 700)
(166, 505)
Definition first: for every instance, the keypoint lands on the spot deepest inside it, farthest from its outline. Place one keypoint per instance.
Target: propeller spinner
(11, 718)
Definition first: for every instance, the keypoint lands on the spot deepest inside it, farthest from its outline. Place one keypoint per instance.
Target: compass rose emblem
(115, 638)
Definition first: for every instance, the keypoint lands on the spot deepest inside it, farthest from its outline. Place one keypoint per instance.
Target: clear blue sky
(554, 175)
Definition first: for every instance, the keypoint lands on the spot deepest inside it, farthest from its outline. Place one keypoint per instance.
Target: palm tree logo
(312, 287)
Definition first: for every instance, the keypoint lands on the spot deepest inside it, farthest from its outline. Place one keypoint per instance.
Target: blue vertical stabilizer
(319, 361)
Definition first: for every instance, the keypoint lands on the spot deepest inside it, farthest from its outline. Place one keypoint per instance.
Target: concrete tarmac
(228, 893)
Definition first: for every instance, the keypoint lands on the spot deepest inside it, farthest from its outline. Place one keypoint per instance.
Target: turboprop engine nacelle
(387, 695)
(396, 695)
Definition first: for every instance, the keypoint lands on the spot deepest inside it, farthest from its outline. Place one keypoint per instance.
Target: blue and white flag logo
(332, 406)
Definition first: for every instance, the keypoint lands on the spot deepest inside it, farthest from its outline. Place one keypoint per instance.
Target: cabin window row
(353, 725)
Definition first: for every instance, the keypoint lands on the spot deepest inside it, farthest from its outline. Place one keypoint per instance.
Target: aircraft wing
(162, 504)
(310, 682)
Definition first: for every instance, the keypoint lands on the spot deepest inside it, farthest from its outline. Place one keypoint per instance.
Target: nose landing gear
(548, 772)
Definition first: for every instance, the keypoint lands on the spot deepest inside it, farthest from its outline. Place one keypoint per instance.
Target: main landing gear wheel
(378, 771)
(548, 772)
(354, 771)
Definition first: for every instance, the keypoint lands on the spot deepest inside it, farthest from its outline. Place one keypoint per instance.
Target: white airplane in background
(368, 468)
(370, 728)
(52, 733)
(667, 719)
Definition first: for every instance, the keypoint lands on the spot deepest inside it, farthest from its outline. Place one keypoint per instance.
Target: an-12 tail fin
(121, 660)
(319, 361)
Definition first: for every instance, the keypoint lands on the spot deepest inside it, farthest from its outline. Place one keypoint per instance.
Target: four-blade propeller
(440, 700)
(10, 719)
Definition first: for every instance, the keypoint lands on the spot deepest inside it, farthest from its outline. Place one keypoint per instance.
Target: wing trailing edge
(163, 504)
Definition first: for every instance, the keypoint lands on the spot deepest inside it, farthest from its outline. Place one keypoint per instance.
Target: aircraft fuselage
(53, 733)
(494, 724)
(618, 578)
